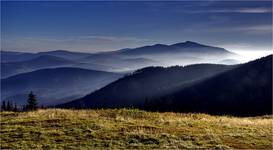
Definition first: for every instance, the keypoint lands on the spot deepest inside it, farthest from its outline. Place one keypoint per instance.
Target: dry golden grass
(131, 129)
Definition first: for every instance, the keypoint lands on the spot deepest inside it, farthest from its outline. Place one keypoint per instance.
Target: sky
(240, 26)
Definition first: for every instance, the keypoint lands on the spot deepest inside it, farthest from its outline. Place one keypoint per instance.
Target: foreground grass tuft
(131, 129)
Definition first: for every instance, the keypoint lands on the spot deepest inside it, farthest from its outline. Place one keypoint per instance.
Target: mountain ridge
(40, 62)
(247, 91)
(54, 84)
(174, 47)
(150, 82)
(248, 86)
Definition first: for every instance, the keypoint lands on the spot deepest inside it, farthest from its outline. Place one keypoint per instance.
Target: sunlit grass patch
(130, 129)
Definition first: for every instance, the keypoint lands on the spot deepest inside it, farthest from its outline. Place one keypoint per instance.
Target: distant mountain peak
(159, 45)
(57, 51)
(60, 50)
(188, 44)
(183, 47)
(191, 42)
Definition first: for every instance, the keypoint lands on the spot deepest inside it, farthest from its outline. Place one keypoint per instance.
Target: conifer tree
(32, 103)
(15, 108)
(9, 106)
(3, 107)
(24, 108)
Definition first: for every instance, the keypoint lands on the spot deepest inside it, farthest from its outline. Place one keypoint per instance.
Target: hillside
(131, 129)
(55, 86)
(147, 83)
(41, 62)
(238, 90)
(245, 90)
(116, 62)
(183, 47)
(12, 56)
(187, 47)
(183, 53)
(64, 54)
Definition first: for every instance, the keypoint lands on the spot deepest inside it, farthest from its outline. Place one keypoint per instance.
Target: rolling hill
(245, 90)
(65, 54)
(147, 83)
(41, 62)
(124, 60)
(184, 47)
(184, 53)
(12, 56)
(54, 86)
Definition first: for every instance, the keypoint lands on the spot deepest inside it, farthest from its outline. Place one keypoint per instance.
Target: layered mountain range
(56, 85)
(184, 77)
(124, 60)
(244, 89)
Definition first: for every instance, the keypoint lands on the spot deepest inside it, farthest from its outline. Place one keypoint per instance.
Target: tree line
(32, 104)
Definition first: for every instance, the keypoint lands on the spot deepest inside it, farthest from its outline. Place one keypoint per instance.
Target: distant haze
(239, 26)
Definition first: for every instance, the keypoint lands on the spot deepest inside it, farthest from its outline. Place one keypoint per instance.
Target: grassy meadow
(131, 129)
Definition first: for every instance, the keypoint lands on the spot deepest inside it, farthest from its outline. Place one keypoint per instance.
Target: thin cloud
(86, 37)
(254, 29)
(259, 28)
(255, 10)
(243, 29)
(230, 10)
(111, 38)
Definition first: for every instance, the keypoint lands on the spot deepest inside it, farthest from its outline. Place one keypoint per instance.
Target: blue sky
(103, 26)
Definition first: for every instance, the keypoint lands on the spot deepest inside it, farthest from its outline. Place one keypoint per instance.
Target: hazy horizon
(247, 55)
(243, 27)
